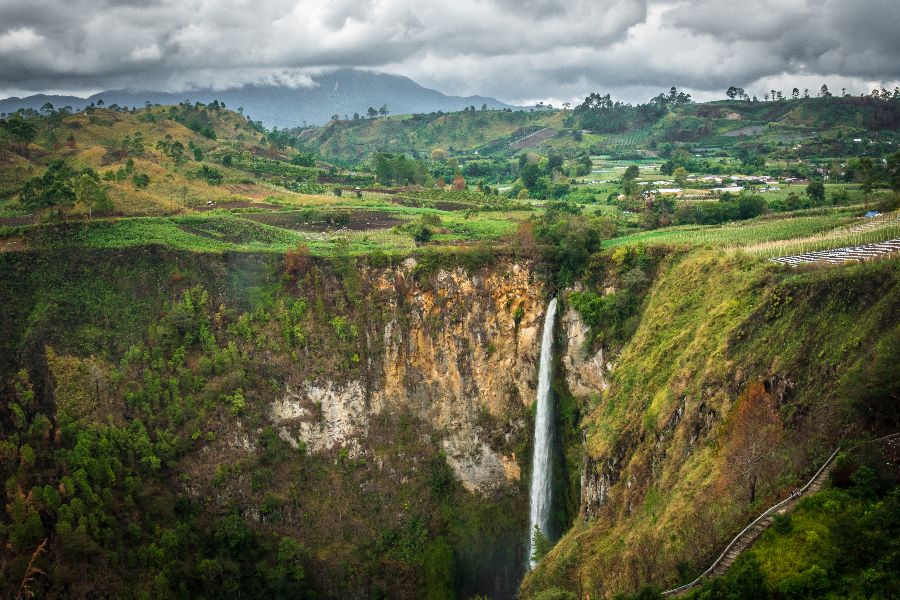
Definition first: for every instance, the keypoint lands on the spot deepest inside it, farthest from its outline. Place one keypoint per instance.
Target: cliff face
(373, 418)
(662, 424)
(459, 351)
(586, 370)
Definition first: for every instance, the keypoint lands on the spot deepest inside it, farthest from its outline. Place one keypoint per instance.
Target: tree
(51, 191)
(795, 93)
(816, 192)
(529, 174)
(540, 544)
(372, 112)
(754, 436)
(554, 161)
(383, 111)
(731, 92)
(212, 175)
(865, 174)
(823, 91)
(19, 129)
(91, 193)
(421, 233)
(631, 172)
(140, 180)
(892, 170)
(680, 175)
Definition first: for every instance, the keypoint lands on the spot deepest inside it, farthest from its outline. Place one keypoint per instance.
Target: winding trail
(749, 534)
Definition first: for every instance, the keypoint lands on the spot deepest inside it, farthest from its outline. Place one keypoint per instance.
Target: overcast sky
(515, 50)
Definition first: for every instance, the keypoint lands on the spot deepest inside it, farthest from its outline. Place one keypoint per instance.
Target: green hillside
(239, 362)
(418, 135)
(821, 127)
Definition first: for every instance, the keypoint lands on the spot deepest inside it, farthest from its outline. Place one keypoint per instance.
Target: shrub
(140, 180)
(554, 593)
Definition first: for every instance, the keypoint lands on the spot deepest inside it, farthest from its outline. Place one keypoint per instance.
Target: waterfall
(541, 467)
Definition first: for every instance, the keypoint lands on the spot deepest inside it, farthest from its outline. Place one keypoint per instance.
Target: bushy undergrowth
(149, 402)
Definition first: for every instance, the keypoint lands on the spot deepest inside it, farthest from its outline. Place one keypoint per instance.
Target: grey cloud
(513, 49)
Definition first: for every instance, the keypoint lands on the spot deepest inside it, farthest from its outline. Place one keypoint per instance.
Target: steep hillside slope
(739, 378)
(158, 160)
(190, 425)
(419, 134)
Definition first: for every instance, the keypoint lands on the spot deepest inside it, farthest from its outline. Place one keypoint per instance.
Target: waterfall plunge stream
(541, 467)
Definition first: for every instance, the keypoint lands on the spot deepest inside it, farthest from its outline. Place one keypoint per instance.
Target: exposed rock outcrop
(457, 350)
(585, 370)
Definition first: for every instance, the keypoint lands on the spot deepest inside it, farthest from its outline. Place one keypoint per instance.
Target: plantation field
(354, 228)
(628, 140)
(754, 231)
(859, 232)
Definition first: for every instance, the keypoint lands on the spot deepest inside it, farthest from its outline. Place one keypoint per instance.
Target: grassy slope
(711, 325)
(460, 131)
(823, 124)
(173, 188)
(738, 233)
(840, 542)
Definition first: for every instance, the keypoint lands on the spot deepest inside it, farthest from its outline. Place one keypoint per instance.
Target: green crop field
(736, 234)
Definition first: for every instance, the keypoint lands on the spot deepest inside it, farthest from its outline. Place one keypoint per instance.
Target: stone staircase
(750, 533)
(745, 538)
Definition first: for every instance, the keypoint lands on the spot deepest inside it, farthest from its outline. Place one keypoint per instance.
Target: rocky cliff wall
(458, 350)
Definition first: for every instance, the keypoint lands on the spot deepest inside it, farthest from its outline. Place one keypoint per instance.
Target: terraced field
(842, 255)
(738, 235)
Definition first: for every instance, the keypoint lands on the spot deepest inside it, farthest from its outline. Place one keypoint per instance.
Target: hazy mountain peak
(342, 92)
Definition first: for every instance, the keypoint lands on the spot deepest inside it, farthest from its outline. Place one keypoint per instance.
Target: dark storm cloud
(514, 49)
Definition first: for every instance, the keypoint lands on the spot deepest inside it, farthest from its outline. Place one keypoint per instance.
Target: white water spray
(543, 421)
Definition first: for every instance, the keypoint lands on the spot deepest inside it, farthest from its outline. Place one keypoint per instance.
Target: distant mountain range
(342, 92)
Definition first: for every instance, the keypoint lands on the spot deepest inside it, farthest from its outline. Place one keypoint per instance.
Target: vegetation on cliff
(141, 456)
(715, 335)
(229, 367)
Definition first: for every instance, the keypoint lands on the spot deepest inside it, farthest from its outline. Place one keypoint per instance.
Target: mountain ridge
(342, 92)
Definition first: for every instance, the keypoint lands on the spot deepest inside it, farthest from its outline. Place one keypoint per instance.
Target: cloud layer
(517, 50)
